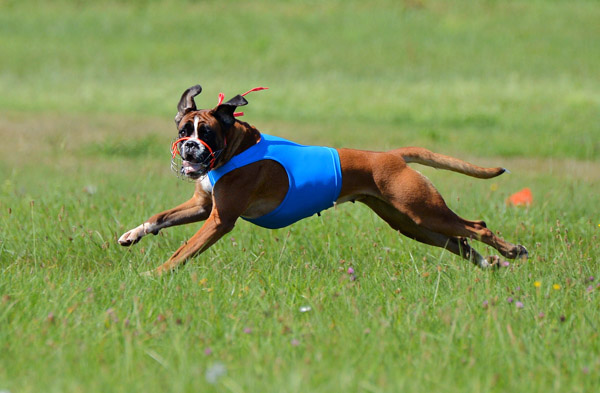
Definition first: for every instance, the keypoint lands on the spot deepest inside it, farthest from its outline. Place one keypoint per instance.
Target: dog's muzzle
(192, 158)
(192, 151)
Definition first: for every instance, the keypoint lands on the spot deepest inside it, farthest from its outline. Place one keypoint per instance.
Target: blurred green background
(509, 78)
(88, 94)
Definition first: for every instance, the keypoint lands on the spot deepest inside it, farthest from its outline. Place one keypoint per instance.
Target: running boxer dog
(273, 183)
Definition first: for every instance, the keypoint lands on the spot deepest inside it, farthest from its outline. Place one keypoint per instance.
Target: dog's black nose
(192, 151)
(190, 145)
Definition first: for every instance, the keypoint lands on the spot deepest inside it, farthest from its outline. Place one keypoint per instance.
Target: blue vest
(314, 173)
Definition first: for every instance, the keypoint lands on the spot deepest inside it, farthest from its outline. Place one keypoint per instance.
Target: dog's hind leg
(479, 230)
(409, 228)
(459, 227)
(413, 195)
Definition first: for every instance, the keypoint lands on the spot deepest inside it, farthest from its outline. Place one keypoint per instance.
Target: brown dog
(211, 140)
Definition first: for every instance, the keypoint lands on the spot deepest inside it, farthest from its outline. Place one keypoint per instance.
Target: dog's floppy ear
(186, 103)
(224, 112)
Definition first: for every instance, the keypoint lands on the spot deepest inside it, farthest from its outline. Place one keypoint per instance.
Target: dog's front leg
(213, 229)
(232, 196)
(196, 209)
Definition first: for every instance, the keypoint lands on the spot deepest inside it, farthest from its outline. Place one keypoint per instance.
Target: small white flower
(214, 372)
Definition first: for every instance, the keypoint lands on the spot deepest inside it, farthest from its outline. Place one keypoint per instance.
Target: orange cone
(521, 198)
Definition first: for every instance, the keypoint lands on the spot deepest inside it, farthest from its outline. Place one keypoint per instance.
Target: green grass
(462, 75)
(88, 95)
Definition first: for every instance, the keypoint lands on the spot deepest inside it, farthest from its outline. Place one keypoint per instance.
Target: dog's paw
(154, 273)
(523, 253)
(133, 236)
(494, 261)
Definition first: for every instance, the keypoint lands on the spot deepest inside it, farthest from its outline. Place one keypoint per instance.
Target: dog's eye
(204, 130)
(186, 130)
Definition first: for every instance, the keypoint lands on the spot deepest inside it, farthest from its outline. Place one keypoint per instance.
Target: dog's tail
(423, 156)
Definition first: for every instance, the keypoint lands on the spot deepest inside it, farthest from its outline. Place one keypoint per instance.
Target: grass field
(89, 90)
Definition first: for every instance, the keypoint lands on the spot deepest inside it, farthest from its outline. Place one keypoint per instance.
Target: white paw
(133, 236)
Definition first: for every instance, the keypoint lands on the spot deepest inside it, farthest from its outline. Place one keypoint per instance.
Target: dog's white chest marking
(205, 184)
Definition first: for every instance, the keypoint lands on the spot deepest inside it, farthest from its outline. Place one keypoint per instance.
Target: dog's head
(202, 134)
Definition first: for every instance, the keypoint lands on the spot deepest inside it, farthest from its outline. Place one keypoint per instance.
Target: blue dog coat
(314, 173)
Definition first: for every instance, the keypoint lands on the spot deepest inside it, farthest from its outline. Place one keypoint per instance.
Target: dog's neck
(240, 137)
